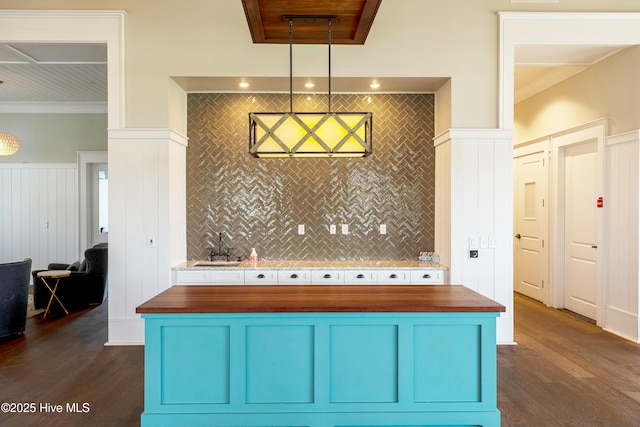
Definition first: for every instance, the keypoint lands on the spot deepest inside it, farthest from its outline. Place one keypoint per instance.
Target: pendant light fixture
(9, 144)
(310, 134)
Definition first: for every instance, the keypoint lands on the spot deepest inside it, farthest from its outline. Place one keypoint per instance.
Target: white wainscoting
(622, 233)
(474, 198)
(30, 195)
(147, 200)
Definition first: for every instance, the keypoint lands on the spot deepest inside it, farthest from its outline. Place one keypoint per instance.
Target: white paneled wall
(38, 213)
(621, 305)
(474, 191)
(147, 200)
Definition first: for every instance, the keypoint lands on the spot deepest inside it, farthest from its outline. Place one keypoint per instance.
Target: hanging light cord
(330, 65)
(291, 65)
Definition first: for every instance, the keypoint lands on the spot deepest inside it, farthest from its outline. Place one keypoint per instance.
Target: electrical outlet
(484, 242)
(345, 228)
(493, 242)
(383, 228)
(332, 229)
(473, 254)
(45, 224)
(473, 242)
(300, 229)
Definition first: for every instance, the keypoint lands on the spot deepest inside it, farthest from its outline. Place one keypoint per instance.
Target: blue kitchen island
(320, 356)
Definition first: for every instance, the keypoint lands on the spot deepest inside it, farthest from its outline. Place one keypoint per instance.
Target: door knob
(518, 236)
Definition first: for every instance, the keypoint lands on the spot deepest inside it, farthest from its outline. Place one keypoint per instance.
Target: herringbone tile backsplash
(260, 202)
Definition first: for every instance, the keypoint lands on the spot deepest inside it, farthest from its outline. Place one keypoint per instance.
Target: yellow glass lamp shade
(310, 134)
(9, 144)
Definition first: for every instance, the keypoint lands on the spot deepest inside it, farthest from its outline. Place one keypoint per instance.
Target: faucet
(226, 253)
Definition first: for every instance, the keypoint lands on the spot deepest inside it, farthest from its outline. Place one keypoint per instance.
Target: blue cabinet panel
(280, 364)
(184, 351)
(447, 363)
(364, 364)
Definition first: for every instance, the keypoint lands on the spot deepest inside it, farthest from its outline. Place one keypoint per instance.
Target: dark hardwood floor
(564, 371)
(63, 360)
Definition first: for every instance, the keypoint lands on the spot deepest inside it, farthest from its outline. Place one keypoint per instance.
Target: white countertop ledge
(317, 265)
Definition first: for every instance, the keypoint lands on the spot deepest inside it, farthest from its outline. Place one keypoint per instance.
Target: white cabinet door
(260, 277)
(294, 277)
(211, 276)
(226, 277)
(427, 277)
(360, 277)
(327, 277)
(394, 277)
(191, 277)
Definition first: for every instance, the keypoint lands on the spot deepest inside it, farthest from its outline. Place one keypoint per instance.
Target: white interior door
(580, 228)
(531, 262)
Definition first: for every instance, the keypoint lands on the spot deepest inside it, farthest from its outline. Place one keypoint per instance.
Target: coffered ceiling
(350, 20)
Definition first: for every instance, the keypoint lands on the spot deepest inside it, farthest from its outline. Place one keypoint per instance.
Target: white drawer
(192, 276)
(226, 277)
(260, 277)
(327, 277)
(394, 277)
(294, 277)
(363, 277)
(427, 277)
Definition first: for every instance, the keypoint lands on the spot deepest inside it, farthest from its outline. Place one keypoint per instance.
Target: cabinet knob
(294, 276)
(426, 276)
(327, 276)
(393, 276)
(261, 276)
(360, 276)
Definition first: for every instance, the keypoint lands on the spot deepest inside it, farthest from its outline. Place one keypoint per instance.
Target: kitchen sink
(215, 263)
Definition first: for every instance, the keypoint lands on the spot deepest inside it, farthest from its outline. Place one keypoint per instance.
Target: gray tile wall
(260, 202)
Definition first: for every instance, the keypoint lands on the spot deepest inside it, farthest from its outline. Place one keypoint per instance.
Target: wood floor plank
(565, 371)
(64, 360)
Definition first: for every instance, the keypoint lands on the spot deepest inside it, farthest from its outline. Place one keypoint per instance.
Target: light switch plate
(484, 242)
(494, 243)
(383, 228)
(300, 228)
(345, 228)
(332, 229)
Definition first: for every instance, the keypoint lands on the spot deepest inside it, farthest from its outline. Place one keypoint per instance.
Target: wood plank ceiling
(269, 20)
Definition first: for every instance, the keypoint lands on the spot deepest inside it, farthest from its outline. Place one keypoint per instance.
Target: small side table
(53, 274)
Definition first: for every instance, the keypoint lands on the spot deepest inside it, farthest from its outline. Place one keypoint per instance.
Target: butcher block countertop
(318, 299)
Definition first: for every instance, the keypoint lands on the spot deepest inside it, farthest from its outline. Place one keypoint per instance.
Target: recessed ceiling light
(374, 85)
(309, 85)
(244, 85)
